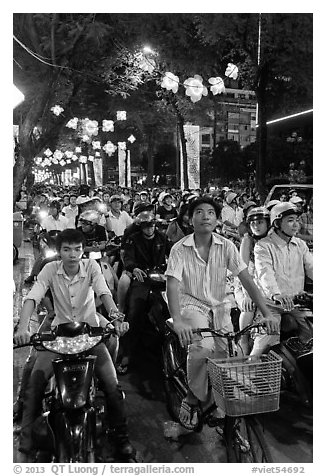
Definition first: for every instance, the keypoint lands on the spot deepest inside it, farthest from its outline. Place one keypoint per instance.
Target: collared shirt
(280, 267)
(50, 223)
(235, 216)
(203, 285)
(119, 224)
(73, 297)
(70, 213)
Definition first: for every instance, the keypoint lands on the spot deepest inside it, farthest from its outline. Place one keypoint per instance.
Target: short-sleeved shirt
(51, 224)
(73, 298)
(203, 285)
(70, 213)
(119, 224)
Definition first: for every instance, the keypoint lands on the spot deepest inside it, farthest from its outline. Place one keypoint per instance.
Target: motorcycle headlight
(43, 214)
(49, 253)
(72, 345)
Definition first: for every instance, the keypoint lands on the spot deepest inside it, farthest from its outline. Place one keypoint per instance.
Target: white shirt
(119, 224)
(280, 267)
(232, 215)
(50, 223)
(203, 285)
(70, 213)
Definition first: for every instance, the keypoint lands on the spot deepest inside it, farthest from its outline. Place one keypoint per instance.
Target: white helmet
(90, 215)
(282, 210)
(272, 204)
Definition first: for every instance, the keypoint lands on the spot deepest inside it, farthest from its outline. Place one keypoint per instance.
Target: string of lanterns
(194, 88)
(88, 129)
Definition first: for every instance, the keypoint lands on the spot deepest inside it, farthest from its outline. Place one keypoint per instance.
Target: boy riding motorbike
(72, 282)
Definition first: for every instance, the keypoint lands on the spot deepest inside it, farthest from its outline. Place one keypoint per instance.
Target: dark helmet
(143, 206)
(145, 218)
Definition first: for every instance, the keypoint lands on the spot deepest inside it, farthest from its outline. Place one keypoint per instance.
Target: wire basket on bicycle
(246, 385)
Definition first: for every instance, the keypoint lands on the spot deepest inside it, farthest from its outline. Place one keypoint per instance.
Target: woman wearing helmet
(258, 223)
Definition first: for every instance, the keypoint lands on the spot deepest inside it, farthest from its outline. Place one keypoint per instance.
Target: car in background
(304, 191)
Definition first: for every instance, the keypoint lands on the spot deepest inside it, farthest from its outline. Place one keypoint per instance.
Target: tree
(55, 57)
(281, 76)
(226, 160)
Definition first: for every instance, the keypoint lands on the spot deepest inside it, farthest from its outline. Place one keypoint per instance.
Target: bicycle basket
(246, 385)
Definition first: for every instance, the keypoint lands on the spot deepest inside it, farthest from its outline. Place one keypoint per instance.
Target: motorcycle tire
(293, 380)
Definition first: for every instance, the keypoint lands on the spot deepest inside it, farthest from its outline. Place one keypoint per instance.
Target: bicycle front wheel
(245, 441)
(175, 374)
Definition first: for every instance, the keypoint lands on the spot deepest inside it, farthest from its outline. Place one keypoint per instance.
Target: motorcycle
(158, 310)
(74, 415)
(297, 356)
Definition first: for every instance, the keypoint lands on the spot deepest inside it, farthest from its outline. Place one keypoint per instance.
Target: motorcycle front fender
(75, 434)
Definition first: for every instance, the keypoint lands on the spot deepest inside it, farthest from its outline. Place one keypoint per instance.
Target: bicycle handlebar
(229, 335)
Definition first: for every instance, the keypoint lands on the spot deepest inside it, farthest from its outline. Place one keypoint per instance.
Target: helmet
(116, 197)
(296, 199)
(145, 218)
(91, 216)
(282, 210)
(230, 197)
(272, 203)
(141, 207)
(163, 196)
(249, 204)
(257, 213)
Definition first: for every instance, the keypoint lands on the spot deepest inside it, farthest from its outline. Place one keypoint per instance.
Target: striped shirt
(280, 267)
(203, 285)
(73, 298)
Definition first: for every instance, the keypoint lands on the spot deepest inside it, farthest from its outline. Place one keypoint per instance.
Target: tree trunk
(184, 152)
(91, 172)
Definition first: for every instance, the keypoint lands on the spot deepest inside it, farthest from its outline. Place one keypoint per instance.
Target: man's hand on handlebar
(121, 327)
(272, 326)
(184, 332)
(285, 301)
(139, 274)
(22, 337)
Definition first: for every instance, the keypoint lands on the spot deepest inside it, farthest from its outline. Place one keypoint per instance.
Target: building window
(205, 139)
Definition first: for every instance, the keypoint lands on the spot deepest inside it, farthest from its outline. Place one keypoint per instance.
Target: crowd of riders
(151, 226)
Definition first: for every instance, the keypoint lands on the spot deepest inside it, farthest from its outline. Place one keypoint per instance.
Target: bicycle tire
(175, 377)
(245, 441)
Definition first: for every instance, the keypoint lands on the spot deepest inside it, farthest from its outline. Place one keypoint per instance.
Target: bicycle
(242, 387)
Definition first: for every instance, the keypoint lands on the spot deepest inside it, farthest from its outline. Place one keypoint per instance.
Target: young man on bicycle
(196, 281)
(281, 263)
(72, 282)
